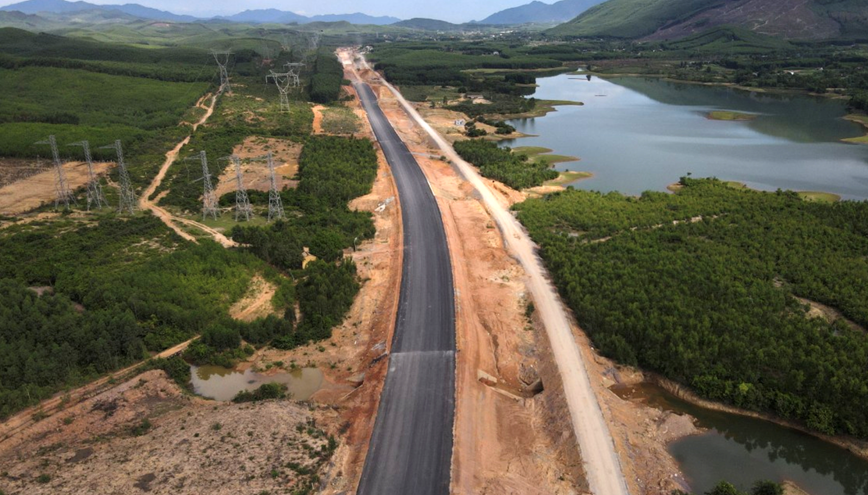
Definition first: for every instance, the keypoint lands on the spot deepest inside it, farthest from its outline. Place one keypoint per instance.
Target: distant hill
(429, 25)
(63, 7)
(283, 17)
(539, 12)
(673, 19)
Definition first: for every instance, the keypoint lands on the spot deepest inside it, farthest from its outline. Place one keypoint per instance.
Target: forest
(111, 291)
(327, 77)
(501, 164)
(711, 287)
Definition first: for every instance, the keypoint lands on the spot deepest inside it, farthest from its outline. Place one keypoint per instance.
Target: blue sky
(447, 10)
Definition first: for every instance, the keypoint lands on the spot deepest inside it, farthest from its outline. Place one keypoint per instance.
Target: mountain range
(540, 13)
(674, 19)
(141, 12)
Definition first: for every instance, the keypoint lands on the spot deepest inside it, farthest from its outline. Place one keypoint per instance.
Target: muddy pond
(219, 383)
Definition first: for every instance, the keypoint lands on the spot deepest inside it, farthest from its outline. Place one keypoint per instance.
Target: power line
(222, 59)
(242, 202)
(275, 203)
(94, 188)
(62, 194)
(209, 197)
(127, 202)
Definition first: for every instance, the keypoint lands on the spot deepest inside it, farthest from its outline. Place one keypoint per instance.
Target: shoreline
(855, 446)
(821, 196)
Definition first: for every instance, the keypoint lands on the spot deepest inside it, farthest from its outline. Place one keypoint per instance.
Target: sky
(447, 10)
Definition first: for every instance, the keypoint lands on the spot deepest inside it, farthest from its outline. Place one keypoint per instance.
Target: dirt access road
(170, 220)
(601, 462)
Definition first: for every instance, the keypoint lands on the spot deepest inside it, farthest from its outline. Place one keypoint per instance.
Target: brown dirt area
(827, 313)
(317, 118)
(256, 303)
(256, 177)
(191, 446)
(32, 191)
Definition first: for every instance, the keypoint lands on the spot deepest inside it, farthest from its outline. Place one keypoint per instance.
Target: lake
(636, 134)
(743, 450)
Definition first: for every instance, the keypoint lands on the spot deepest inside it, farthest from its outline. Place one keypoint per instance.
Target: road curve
(601, 462)
(411, 446)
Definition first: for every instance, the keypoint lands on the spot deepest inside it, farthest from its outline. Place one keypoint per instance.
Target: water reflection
(743, 450)
(637, 134)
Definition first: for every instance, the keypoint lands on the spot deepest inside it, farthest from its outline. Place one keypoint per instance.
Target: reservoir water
(743, 450)
(636, 134)
(219, 383)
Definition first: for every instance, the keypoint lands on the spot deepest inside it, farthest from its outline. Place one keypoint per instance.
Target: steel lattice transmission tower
(209, 197)
(275, 204)
(242, 202)
(282, 81)
(127, 202)
(293, 70)
(314, 40)
(94, 189)
(222, 59)
(62, 194)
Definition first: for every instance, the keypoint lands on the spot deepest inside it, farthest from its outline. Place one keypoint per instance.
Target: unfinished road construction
(411, 446)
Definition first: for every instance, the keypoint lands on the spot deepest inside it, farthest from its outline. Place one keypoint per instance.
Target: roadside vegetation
(701, 287)
(501, 164)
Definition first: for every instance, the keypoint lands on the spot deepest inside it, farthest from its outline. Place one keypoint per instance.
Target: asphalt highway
(411, 445)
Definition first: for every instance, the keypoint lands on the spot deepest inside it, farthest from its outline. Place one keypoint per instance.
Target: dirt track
(170, 220)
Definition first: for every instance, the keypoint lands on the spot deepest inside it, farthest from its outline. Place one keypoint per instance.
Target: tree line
(501, 164)
(711, 302)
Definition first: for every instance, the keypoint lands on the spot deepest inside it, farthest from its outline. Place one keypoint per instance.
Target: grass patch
(540, 155)
(730, 116)
(568, 177)
(825, 197)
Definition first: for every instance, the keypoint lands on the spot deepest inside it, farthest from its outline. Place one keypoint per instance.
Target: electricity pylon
(282, 81)
(293, 69)
(209, 197)
(285, 44)
(314, 40)
(62, 194)
(94, 189)
(222, 59)
(242, 202)
(127, 202)
(275, 204)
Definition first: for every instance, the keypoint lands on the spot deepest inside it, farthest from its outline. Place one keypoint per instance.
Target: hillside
(539, 12)
(429, 25)
(673, 19)
(282, 16)
(63, 7)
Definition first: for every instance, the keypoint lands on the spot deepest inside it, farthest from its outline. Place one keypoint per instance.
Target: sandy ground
(256, 303)
(317, 118)
(256, 177)
(18, 425)
(30, 192)
(188, 445)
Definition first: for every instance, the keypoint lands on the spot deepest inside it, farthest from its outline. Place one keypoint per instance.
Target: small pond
(219, 383)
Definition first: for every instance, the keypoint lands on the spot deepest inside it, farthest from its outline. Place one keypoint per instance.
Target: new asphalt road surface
(411, 446)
